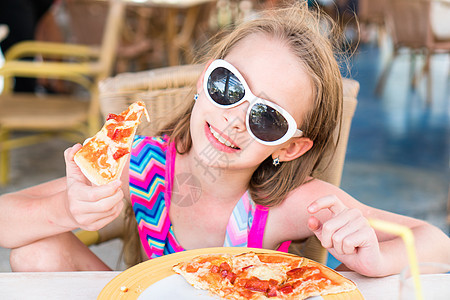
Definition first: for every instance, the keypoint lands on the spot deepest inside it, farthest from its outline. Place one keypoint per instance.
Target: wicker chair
(164, 89)
(49, 115)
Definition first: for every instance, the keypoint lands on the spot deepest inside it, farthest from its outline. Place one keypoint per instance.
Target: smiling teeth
(221, 139)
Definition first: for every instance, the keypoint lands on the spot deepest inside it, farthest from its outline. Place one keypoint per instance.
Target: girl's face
(220, 137)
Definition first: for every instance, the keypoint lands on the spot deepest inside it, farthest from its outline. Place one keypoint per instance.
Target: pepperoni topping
(215, 269)
(225, 271)
(286, 289)
(118, 118)
(231, 277)
(133, 116)
(119, 134)
(191, 269)
(111, 128)
(255, 284)
(272, 292)
(120, 152)
(225, 266)
(296, 273)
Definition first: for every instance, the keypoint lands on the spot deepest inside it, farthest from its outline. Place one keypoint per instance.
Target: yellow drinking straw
(408, 238)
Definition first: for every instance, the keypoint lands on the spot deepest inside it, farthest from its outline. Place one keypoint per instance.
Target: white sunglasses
(267, 122)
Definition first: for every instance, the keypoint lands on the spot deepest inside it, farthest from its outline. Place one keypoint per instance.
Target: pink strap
(256, 234)
(170, 165)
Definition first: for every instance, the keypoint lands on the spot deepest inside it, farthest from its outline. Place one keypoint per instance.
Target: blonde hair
(301, 30)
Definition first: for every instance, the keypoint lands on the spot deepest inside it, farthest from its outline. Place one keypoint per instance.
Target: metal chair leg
(428, 74)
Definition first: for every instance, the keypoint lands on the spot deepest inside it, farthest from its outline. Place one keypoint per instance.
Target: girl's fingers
(105, 221)
(108, 203)
(96, 193)
(332, 226)
(364, 237)
(73, 172)
(106, 208)
(341, 238)
(314, 224)
(353, 241)
(100, 223)
(94, 221)
(328, 202)
(69, 153)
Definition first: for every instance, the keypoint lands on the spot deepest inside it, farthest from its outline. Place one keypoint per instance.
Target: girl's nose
(235, 117)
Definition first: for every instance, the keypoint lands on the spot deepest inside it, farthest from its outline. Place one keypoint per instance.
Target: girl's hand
(90, 207)
(347, 235)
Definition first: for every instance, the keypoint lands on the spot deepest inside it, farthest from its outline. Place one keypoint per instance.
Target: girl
(266, 106)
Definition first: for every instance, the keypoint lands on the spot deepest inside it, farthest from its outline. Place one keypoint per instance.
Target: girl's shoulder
(313, 188)
(302, 196)
(291, 216)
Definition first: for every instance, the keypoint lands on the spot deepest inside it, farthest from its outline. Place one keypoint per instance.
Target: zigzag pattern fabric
(147, 189)
(150, 190)
(240, 223)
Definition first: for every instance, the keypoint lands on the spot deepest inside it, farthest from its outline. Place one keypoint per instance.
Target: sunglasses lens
(224, 87)
(266, 123)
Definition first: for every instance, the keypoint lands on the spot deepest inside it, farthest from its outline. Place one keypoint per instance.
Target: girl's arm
(57, 206)
(340, 223)
(348, 236)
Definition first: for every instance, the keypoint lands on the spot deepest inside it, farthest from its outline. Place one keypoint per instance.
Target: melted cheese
(265, 272)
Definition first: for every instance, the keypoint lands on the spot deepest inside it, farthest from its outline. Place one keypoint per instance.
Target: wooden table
(87, 285)
(177, 40)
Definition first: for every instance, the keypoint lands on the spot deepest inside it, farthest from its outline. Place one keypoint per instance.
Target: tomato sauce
(120, 152)
(117, 118)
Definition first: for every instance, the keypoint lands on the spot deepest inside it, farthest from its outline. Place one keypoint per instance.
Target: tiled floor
(398, 152)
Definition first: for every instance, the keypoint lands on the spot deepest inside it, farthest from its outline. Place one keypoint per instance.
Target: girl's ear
(296, 148)
(200, 79)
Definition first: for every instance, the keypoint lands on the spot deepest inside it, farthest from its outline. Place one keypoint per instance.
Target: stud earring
(196, 97)
(276, 161)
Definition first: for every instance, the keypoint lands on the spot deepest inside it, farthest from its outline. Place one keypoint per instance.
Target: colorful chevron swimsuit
(151, 180)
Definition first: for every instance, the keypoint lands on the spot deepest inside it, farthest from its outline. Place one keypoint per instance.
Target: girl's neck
(217, 184)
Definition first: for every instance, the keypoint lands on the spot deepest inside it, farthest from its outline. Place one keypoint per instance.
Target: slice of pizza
(103, 156)
(262, 276)
(208, 272)
(315, 279)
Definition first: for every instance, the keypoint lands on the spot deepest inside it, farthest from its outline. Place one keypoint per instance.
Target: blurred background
(399, 144)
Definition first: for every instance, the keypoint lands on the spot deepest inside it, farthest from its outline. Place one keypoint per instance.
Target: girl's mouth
(219, 138)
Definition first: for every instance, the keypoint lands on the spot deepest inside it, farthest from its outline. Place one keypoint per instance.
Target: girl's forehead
(273, 72)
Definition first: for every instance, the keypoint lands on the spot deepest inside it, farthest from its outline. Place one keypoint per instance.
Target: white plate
(176, 288)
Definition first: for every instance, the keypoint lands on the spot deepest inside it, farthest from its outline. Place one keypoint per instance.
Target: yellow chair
(46, 116)
(166, 88)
